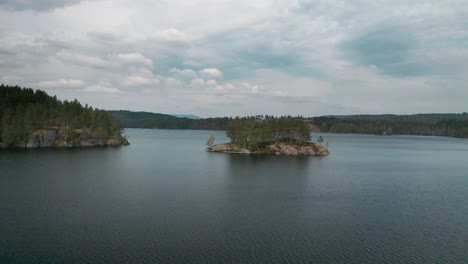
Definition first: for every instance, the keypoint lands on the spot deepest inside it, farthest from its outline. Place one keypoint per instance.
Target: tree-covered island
(270, 135)
(31, 118)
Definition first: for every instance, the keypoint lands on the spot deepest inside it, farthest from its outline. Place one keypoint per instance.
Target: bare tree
(320, 139)
(210, 141)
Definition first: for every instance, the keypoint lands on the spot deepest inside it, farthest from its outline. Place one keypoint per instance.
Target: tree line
(24, 111)
(257, 132)
(452, 125)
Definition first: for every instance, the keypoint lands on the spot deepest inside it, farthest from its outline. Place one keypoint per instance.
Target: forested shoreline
(32, 118)
(451, 125)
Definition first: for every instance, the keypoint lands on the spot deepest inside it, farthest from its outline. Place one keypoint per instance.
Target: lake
(163, 199)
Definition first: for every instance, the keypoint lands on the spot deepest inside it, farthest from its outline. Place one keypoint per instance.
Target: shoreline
(279, 149)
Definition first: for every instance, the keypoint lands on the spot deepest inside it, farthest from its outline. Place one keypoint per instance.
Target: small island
(268, 136)
(33, 119)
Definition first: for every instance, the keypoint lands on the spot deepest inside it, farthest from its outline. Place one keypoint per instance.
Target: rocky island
(268, 136)
(306, 149)
(33, 119)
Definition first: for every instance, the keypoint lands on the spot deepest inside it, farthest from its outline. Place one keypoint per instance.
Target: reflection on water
(164, 199)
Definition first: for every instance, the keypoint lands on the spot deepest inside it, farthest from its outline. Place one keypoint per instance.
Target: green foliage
(24, 111)
(161, 121)
(429, 126)
(255, 133)
(419, 124)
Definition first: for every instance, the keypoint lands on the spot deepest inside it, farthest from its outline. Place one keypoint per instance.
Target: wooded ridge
(32, 118)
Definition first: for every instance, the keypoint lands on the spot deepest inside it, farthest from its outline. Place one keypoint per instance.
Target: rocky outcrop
(306, 149)
(53, 137)
(43, 138)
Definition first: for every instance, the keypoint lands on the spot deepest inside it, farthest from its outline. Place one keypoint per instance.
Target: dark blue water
(398, 199)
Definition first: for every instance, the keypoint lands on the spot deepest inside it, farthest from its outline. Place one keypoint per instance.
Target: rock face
(307, 149)
(51, 138)
(42, 138)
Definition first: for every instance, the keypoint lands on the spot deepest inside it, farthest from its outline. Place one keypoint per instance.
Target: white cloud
(132, 59)
(171, 82)
(101, 89)
(83, 60)
(170, 35)
(136, 80)
(197, 83)
(211, 83)
(211, 73)
(274, 55)
(280, 93)
(60, 83)
(252, 88)
(185, 73)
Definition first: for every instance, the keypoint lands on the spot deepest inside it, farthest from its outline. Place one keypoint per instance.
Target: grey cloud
(134, 45)
(37, 5)
(105, 37)
(251, 49)
(387, 48)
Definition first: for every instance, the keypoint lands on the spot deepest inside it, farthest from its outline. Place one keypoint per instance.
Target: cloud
(132, 59)
(185, 74)
(60, 83)
(101, 89)
(211, 83)
(211, 73)
(171, 36)
(275, 57)
(38, 5)
(83, 60)
(192, 63)
(388, 48)
(171, 82)
(135, 80)
(197, 83)
(279, 93)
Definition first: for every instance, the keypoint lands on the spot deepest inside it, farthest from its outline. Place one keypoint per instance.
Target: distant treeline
(453, 125)
(456, 126)
(24, 111)
(130, 119)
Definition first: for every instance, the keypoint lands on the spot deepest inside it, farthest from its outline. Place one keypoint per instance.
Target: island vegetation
(254, 133)
(271, 135)
(32, 118)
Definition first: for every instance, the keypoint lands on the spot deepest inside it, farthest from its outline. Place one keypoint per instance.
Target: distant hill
(454, 125)
(416, 118)
(188, 116)
(143, 119)
(130, 119)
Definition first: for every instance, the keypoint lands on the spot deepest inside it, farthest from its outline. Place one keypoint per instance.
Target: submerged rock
(306, 149)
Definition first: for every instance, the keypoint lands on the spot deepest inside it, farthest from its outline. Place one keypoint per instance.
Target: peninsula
(32, 119)
(269, 136)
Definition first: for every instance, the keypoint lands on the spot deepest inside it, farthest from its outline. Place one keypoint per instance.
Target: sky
(232, 58)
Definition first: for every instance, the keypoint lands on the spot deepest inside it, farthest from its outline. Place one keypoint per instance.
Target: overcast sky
(228, 58)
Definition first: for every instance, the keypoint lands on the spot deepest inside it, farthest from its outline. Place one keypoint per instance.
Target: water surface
(164, 199)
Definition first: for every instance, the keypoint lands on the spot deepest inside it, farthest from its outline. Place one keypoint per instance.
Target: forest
(24, 111)
(456, 126)
(131, 119)
(452, 125)
(255, 133)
